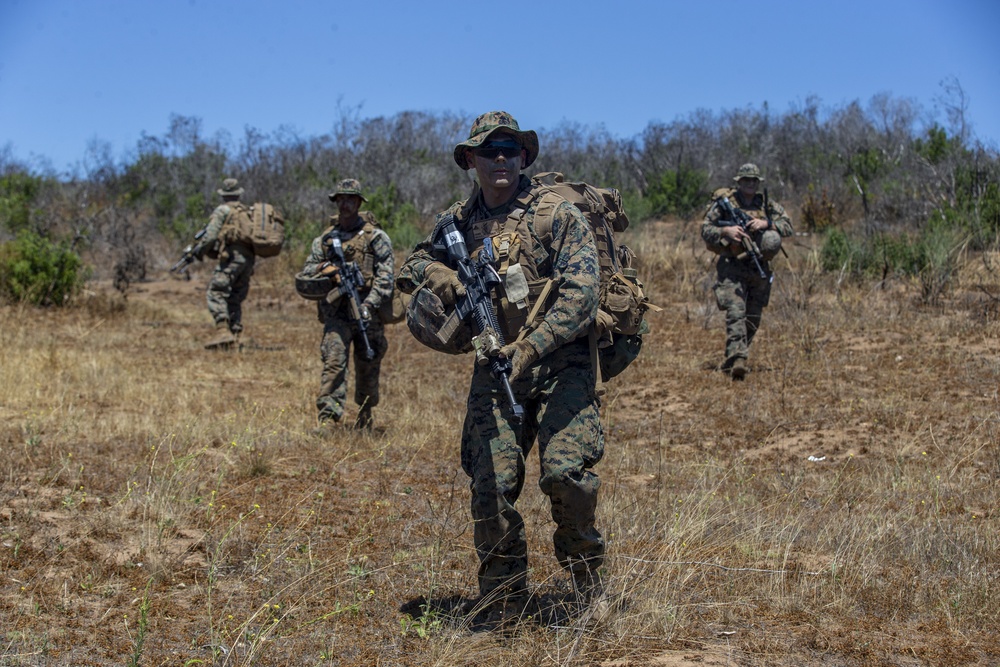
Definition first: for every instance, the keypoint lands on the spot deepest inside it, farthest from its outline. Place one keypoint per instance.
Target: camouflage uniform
(230, 281)
(740, 291)
(557, 392)
(369, 246)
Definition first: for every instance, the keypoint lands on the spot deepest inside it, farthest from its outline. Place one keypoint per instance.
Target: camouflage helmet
(314, 287)
(230, 188)
(770, 244)
(749, 170)
(435, 325)
(348, 186)
(491, 123)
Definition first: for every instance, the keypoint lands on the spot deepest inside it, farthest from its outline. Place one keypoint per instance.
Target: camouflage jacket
(368, 245)
(711, 230)
(566, 255)
(216, 229)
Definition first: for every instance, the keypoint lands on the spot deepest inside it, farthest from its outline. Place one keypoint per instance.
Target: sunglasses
(490, 151)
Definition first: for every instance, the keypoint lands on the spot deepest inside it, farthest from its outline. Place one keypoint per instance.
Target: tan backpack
(622, 293)
(267, 233)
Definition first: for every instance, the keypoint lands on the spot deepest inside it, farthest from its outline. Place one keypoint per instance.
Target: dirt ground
(163, 505)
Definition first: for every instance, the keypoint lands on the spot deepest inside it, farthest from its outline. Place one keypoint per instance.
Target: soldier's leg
(494, 461)
(730, 294)
(758, 296)
(243, 269)
(333, 380)
(366, 373)
(570, 443)
(220, 289)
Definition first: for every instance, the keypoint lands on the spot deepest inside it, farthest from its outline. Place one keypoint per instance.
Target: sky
(80, 73)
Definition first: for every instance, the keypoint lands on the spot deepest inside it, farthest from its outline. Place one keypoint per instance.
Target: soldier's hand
(366, 312)
(734, 233)
(758, 224)
(604, 322)
(444, 283)
(521, 354)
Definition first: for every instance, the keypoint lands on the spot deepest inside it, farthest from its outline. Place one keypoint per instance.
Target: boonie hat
(749, 170)
(348, 186)
(491, 123)
(230, 188)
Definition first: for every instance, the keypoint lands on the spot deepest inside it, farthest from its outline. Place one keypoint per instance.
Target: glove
(521, 354)
(444, 283)
(366, 312)
(604, 322)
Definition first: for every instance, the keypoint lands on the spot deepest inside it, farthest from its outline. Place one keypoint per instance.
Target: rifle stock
(351, 280)
(479, 279)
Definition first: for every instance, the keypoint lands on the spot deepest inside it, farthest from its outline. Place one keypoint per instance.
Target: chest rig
(357, 246)
(520, 247)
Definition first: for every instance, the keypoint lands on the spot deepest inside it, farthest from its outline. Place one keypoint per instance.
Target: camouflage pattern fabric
(339, 332)
(742, 294)
(371, 248)
(557, 391)
(229, 286)
(739, 290)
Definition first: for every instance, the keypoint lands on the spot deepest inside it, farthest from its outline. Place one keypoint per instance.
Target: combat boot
(364, 420)
(223, 339)
(739, 370)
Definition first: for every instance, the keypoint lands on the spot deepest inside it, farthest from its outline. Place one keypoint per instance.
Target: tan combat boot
(224, 338)
(739, 370)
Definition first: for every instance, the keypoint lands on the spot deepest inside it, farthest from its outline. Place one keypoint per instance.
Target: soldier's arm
(411, 274)
(576, 271)
(382, 284)
(215, 223)
(779, 219)
(316, 257)
(711, 231)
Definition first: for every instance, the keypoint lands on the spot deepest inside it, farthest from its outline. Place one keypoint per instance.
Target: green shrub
(18, 191)
(400, 220)
(37, 271)
(678, 192)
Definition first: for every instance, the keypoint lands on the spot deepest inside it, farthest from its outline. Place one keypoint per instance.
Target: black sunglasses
(490, 151)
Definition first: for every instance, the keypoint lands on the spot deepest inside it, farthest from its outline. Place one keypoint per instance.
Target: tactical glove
(444, 283)
(366, 312)
(521, 354)
(603, 325)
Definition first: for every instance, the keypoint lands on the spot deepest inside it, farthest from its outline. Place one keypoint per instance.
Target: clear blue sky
(72, 71)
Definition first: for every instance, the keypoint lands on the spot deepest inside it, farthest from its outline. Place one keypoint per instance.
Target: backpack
(622, 294)
(267, 233)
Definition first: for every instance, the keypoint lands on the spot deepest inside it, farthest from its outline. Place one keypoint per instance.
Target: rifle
(479, 278)
(739, 218)
(351, 280)
(189, 254)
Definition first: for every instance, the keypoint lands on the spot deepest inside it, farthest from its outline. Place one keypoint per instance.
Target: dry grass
(161, 505)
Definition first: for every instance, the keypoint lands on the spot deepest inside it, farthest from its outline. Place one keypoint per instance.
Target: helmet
(435, 325)
(770, 244)
(314, 287)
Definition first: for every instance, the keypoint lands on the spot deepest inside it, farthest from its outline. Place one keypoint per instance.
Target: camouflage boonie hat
(348, 186)
(230, 188)
(749, 170)
(490, 123)
(435, 325)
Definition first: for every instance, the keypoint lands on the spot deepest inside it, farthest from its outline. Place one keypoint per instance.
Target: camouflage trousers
(339, 332)
(742, 294)
(562, 412)
(228, 287)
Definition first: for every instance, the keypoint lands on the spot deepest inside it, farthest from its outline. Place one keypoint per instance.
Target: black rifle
(740, 219)
(479, 279)
(351, 280)
(189, 254)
